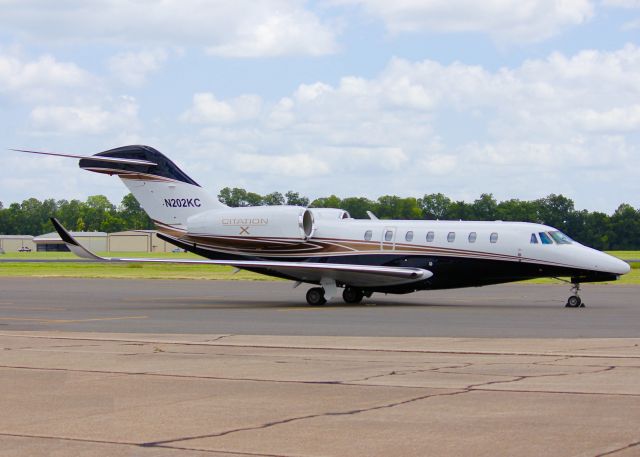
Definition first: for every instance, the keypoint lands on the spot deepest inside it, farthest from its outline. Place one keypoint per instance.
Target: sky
(518, 98)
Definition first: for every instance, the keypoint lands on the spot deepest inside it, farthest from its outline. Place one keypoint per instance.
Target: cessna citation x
(328, 248)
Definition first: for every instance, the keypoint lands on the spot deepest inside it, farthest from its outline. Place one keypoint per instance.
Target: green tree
(394, 207)
(273, 199)
(357, 207)
(239, 197)
(327, 202)
(435, 206)
(294, 198)
(96, 211)
(626, 227)
(232, 197)
(485, 208)
(132, 214)
(460, 210)
(554, 210)
(69, 212)
(517, 210)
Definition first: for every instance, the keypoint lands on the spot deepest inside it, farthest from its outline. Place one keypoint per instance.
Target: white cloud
(120, 116)
(242, 28)
(461, 129)
(41, 78)
(132, 68)
(207, 109)
(298, 165)
(506, 20)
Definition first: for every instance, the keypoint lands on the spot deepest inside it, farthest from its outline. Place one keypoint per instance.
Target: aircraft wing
(348, 274)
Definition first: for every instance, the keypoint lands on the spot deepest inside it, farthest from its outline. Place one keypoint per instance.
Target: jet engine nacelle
(292, 222)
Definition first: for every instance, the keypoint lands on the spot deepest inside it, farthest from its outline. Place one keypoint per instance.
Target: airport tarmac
(101, 394)
(210, 368)
(275, 308)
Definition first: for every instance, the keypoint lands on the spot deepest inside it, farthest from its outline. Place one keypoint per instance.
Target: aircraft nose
(615, 265)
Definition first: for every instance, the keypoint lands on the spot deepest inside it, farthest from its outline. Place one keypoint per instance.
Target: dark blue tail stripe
(165, 167)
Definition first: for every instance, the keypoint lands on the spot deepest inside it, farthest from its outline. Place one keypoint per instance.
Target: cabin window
(472, 237)
(409, 236)
(544, 238)
(560, 237)
(494, 237)
(368, 235)
(534, 239)
(430, 237)
(451, 237)
(388, 235)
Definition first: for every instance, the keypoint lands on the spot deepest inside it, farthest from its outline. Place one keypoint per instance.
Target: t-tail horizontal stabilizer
(94, 157)
(316, 273)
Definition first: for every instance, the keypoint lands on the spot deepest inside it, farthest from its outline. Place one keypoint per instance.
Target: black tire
(352, 296)
(574, 302)
(315, 296)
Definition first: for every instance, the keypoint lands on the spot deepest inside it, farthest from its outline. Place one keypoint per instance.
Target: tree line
(620, 230)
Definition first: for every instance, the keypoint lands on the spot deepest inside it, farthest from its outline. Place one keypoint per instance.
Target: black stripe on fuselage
(449, 272)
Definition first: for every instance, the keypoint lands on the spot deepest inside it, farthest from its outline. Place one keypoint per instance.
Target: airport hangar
(127, 241)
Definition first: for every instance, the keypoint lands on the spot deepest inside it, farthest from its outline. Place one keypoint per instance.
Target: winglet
(72, 243)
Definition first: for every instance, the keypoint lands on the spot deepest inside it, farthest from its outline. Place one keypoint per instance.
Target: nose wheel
(574, 301)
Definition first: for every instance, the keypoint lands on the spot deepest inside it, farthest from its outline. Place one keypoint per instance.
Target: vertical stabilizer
(163, 190)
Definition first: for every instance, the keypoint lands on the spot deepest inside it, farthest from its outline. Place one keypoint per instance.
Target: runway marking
(44, 320)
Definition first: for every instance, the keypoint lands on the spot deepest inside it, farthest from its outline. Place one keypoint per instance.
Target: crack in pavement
(305, 417)
(137, 445)
(403, 373)
(468, 389)
(615, 451)
(321, 348)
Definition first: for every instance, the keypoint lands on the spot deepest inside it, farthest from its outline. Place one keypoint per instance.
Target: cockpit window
(560, 237)
(534, 239)
(544, 238)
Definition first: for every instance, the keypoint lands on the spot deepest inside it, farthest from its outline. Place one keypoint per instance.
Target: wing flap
(349, 274)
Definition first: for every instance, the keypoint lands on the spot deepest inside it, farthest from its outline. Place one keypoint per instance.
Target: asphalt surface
(275, 308)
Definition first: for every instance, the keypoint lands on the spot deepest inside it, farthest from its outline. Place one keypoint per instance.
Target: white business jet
(328, 248)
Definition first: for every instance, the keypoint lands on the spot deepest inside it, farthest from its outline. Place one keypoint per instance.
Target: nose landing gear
(574, 301)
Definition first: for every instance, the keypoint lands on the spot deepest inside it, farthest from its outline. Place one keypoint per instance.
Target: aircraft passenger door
(388, 241)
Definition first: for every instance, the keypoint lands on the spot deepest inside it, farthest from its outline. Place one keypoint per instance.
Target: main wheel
(351, 295)
(574, 302)
(315, 296)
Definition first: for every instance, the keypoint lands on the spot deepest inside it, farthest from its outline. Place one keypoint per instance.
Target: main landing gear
(574, 301)
(351, 295)
(315, 296)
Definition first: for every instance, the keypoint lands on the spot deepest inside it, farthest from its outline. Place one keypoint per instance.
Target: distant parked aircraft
(328, 248)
